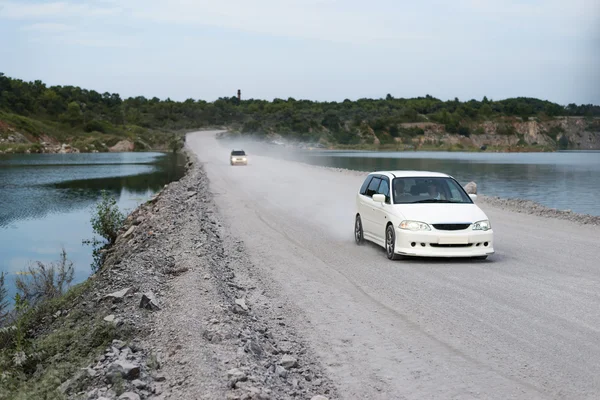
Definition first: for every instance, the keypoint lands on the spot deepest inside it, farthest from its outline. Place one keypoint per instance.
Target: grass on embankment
(46, 348)
(52, 333)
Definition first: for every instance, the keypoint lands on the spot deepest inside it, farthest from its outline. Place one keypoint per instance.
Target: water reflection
(46, 201)
(564, 180)
(46, 185)
(568, 180)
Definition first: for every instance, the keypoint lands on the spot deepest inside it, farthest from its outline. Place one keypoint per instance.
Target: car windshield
(238, 153)
(428, 190)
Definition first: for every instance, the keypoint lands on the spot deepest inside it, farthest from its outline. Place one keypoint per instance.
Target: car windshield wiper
(433, 201)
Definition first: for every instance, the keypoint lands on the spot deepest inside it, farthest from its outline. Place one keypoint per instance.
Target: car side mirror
(473, 196)
(379, 198)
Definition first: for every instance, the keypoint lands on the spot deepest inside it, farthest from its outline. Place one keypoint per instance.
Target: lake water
(567, 180)
(46, 201)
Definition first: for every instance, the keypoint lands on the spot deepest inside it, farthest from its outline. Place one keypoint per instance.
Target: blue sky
(311, 49)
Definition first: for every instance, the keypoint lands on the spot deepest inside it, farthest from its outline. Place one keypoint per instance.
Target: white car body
(443, 229)
(238, 157)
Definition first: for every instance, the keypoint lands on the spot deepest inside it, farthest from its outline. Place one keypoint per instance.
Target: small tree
(175, 144)
(73, 115)
(464, 131)
(107, 219)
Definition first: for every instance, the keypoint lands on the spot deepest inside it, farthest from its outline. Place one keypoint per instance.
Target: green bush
(107, 219)
(36, 148)
(95, 126)
(43, 282)
(176, 143)
(464, 131)
(505, 129)
(451, 127)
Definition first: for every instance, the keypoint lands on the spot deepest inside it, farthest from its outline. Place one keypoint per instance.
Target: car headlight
(414, 226)
(482, 225)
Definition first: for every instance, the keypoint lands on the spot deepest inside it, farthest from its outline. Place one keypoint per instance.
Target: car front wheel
(359, 237)
(390, 243)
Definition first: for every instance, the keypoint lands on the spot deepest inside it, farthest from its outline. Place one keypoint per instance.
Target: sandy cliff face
(582, 134)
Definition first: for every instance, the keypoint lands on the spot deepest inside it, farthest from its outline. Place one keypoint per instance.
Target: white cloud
(57, 9)
(306, 19)
(47, 27)
(99, 40)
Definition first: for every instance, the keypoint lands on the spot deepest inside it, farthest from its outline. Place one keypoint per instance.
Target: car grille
(451, 227)
(450, 245)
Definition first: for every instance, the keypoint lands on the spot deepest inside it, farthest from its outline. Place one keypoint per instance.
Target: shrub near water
(45, 281)
(107, 219)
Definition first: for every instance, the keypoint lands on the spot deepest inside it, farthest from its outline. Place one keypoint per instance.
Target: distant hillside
(35, 117)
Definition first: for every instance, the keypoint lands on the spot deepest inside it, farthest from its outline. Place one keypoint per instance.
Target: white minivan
(425, 214)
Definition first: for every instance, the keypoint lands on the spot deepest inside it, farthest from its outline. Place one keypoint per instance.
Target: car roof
(412, 174)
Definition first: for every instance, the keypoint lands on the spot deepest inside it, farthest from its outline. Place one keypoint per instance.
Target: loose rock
(149, 301)
(236, 375)
(129, 232)
(124, 369)
(471, 188)
(129, 396)
(241, 303)
(139, 384)
(288, 362)
(110, 318)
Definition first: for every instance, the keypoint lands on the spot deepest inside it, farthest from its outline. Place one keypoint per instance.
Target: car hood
(440, 213)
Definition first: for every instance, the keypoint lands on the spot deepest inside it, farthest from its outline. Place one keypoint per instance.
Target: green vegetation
(107, 219)
(41, 282)
(50, 334)
(87, 115)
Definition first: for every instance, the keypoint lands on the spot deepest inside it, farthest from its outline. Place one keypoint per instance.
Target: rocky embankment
(191, 315)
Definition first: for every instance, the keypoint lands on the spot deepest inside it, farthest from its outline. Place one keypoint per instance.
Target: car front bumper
(436, 243)
(238, 162)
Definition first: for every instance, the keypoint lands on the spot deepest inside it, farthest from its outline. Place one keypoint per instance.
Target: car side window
(373, 186)
(365, 185)
(384, 189)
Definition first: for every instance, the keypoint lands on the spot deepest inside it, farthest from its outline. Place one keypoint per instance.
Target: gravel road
(525, 324)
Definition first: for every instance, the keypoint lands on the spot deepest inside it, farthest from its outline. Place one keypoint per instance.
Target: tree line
(90, 111)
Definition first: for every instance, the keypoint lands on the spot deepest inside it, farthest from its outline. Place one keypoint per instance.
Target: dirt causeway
(524, 324)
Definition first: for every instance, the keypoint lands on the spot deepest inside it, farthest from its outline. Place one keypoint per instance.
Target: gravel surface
(523, 324)
(221, 331)
(199, 320)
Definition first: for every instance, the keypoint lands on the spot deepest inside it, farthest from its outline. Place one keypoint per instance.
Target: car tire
(390, 243)
(359, 236)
